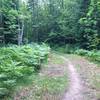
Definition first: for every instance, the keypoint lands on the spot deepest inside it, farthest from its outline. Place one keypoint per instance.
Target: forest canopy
(58, 22)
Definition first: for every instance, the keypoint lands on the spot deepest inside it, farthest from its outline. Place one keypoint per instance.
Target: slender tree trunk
(22, 32)
(20, 35)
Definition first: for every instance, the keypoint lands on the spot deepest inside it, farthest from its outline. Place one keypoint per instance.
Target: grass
(91, 73)
(96, 81)
(51, 84)
(55, 56)
(94, 77)
(40, 86)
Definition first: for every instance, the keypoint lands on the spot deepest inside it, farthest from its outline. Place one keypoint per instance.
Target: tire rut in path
(75, 88)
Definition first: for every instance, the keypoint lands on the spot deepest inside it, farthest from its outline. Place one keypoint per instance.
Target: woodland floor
(67, 77)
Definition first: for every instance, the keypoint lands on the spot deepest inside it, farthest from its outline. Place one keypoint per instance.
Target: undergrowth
(92, 55)
(18, 62)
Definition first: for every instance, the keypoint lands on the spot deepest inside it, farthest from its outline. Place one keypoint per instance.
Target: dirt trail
(79, 88)
(84, 79)
(74, 92)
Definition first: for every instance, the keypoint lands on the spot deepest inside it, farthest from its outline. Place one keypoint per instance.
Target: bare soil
(89, 74)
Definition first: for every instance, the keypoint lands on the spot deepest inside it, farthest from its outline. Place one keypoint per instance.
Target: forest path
(84, 79)
(81, 75)
(74, 92)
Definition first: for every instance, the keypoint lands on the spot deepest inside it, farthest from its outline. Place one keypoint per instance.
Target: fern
(93, 55)
(19, 62)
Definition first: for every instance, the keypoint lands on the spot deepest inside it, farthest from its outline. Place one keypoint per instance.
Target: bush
(81, 52)
(93, 55)
(18, 62)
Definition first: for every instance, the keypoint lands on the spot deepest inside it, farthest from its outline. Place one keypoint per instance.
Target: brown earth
(89, 74)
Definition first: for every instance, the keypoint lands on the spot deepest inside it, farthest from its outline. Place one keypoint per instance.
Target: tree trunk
(20, 35)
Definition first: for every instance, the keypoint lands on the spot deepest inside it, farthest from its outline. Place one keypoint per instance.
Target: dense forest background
(57, 22)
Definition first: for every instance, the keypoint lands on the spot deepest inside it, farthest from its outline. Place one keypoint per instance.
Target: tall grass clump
(18, 62)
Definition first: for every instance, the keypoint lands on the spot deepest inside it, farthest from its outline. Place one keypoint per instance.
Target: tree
(90, 25)
(52, 21)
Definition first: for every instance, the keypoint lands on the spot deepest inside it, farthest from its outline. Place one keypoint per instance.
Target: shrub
(18, 62)
(81, 52)
(93, 55)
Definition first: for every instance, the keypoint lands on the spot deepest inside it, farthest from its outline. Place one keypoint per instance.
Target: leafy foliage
(94, 55)
(53, 21)
(18, 62)
(90, 26)
(13, 15)
(57, 21)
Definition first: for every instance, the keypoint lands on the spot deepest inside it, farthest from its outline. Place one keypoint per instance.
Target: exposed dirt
(89, 74)
(75, 89)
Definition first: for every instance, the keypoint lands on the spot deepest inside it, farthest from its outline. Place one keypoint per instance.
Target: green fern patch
(93, 55)
(19, 62)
